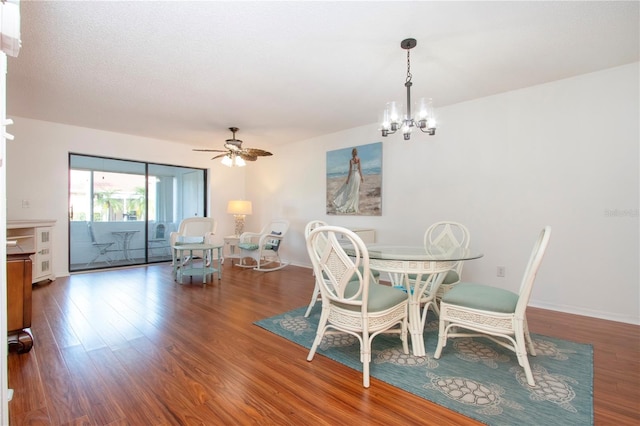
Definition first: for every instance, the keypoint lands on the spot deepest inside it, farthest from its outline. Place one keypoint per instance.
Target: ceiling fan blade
(258, 152)
(220, 155)
(247, 157)
(211, 150)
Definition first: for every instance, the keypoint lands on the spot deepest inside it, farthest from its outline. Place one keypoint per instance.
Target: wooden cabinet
(19, 267)
(33, 236)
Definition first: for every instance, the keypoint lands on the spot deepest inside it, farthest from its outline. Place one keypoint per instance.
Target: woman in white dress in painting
(347, 199)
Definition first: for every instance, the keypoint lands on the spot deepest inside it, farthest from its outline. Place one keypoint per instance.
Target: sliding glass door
(122, 212)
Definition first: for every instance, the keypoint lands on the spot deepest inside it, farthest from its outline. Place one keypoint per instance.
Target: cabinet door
(42, 265)
(18, 294)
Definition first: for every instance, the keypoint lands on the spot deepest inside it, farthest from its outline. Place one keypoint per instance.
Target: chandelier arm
(429, 131)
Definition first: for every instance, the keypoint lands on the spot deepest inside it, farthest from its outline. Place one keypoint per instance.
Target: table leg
(415, 329)
(175, 263)
(120, 243)
(431, 282)
(125, 246)
(205, 254)
(220, 262)
(204, 268)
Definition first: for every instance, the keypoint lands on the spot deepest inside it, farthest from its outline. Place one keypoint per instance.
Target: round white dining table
(428, 264)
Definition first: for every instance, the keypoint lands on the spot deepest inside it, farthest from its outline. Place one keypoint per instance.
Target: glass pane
(79, 195)
(118, 197)
(122, 212)
(174, 193)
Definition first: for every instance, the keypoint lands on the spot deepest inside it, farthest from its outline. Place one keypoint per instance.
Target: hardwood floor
(131, 347)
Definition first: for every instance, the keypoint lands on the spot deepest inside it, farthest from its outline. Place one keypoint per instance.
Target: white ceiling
(287, 71)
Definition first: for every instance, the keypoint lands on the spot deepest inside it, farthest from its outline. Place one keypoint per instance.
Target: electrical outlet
(26, 204)
(501, 271)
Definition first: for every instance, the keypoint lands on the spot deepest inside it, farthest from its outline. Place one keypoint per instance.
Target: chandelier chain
(408, 67)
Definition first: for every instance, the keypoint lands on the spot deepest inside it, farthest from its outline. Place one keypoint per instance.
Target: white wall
(38, 170)
(564, 154)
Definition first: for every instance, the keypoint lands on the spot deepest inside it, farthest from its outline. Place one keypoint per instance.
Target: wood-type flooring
(132, 347)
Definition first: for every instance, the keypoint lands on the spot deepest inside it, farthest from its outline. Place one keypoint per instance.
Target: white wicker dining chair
(471, 310)
(447, 235)
(351, 302)
(315, 297)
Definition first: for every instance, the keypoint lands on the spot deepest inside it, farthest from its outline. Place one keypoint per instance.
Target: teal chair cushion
(248, 246)
(451, 277)
(381, 296)
(483, 297)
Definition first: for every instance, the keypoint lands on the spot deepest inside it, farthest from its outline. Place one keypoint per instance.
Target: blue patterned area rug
(474, 377)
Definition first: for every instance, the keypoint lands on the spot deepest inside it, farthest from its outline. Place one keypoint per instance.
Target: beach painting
(354, 180)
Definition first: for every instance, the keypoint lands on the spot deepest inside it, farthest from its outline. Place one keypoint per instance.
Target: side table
(231, 243)
(191, 268)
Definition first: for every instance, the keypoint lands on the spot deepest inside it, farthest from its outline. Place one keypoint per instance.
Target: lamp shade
(239, 207)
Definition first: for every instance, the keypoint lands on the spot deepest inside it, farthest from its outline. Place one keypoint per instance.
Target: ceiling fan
(233, 149)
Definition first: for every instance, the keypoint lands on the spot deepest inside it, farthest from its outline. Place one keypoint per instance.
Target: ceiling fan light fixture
(232, 160)
(227, 161)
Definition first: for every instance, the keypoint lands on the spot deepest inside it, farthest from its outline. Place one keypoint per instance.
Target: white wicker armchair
(193, 230)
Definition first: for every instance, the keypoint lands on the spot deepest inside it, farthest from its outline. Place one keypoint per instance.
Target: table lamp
(239, 208)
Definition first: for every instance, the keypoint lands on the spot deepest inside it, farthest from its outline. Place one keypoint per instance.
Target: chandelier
(394, 118)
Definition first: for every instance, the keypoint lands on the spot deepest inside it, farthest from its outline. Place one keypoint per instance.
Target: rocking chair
(263, 247)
